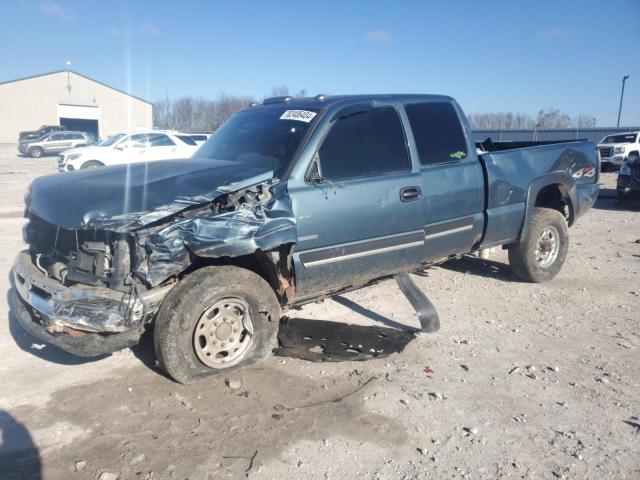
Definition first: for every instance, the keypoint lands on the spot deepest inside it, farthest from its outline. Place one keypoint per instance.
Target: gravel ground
(521, 381)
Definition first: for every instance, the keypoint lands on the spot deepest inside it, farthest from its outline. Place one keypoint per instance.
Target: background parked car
(629, 178)
(130, 148)
(43, 130)
(53, 143)
(614, 149)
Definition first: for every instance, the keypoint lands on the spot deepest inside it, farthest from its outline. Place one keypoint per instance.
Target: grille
(605, 152)
(46, 238)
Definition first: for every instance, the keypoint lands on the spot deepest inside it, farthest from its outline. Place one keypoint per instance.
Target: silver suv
(53, 143)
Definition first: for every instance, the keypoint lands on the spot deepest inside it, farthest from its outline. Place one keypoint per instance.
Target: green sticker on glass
(458, 155)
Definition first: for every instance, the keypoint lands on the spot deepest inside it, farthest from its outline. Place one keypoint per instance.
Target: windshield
(111, 140)
(266, 137)
(626, 138)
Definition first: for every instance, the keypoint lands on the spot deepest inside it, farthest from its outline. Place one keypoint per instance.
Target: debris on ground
(233, 384)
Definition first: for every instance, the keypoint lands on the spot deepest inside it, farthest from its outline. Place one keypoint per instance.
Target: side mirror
(315, 174)
(120, 147)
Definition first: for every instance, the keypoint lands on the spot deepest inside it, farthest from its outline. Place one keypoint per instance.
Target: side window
(55, 138)
(137, 141)
(365, 144)
(187, 139)
(437, 132)
(159, 140)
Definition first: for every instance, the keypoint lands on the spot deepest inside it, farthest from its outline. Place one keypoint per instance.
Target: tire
(91, 164)
(537, 259)
(193, 303)
(36, 152)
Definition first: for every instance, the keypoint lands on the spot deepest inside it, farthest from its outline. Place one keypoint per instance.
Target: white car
(614, 149)
(128, 148)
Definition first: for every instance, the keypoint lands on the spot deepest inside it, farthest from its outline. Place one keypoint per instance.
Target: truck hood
(126, 197)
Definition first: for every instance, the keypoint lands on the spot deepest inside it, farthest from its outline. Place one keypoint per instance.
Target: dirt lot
(522, 381)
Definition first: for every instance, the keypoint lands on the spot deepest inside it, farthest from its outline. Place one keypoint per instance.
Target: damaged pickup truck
(290, 201)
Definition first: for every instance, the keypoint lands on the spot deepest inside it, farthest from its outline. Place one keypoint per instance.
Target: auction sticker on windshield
(300, 115)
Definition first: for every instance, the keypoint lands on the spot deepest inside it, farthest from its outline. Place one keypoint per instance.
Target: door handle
(410, 194)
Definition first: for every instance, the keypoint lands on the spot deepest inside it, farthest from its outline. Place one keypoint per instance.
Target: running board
(325, 341)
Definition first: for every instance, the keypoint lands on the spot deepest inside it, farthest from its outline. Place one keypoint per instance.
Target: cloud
(555, 33)
(145, 30)
(378, 36)
(57, 11)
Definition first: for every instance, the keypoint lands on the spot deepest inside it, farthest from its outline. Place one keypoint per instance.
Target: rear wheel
(92, 164)
(36, 152)
(215, 320)
(539, 255)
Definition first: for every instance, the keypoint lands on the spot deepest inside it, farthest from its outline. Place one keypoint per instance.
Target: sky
(492, 56)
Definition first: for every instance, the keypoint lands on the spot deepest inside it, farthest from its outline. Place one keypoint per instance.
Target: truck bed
(572, 167)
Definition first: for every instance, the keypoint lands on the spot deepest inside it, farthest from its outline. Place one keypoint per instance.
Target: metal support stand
(325, 341)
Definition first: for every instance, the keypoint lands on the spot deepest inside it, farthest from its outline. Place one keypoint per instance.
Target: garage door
(80, 117)
(80, 124)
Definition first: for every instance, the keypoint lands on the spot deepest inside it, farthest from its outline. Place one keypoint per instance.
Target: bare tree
(546, 119)
(280, 91)
(190, 114)
(552, 118)
(584, 121)
(497, 121)
(197, 114)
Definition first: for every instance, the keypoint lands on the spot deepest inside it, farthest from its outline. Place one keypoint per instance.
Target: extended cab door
(358, 211)
(451, 179)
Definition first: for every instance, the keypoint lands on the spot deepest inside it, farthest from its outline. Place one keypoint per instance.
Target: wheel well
(275, 266)
(91, 161)
(555, 196)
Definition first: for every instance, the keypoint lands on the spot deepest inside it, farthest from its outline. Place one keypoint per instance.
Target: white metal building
(70, 99)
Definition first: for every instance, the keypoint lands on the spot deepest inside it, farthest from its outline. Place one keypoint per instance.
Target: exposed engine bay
(150, 258)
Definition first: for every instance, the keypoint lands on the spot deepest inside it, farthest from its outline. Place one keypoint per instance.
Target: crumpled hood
(125, 197)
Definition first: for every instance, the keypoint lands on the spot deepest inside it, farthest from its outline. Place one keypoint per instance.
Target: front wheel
(36, 152)
(539, 255)
(215, 320)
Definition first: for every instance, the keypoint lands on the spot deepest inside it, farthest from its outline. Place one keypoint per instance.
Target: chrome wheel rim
(548, 247)
(223, 334)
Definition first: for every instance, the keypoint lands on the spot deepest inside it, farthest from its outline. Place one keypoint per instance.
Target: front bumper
(617, 160)
(86, 321)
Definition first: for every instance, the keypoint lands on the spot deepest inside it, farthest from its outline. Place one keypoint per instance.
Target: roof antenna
(68, 77)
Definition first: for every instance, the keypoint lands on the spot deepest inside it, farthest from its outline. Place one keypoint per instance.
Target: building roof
(80, 75)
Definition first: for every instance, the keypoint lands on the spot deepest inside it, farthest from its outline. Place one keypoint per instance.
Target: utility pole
(624, 79)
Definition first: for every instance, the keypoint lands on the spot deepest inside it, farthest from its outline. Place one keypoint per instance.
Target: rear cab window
(365, 144)
(437, 132)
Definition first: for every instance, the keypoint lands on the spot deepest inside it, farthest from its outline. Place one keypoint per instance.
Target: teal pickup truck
(291, 200)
